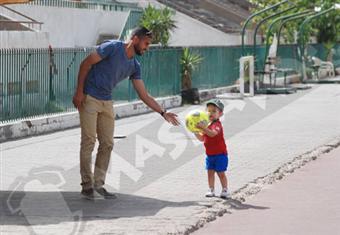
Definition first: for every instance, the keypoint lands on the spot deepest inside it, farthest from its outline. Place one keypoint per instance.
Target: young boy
(216, 149)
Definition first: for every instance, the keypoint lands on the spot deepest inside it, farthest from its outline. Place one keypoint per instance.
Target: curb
(208, 94)
(58, 122)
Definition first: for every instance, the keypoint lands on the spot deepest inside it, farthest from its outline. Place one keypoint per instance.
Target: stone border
(212, 93)
(57, 122)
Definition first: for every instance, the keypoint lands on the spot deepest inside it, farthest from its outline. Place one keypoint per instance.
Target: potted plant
(189, 62)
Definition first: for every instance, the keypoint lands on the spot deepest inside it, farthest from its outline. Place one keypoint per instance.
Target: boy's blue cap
(217, 103)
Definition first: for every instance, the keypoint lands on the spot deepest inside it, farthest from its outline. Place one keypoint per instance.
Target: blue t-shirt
(113, 68)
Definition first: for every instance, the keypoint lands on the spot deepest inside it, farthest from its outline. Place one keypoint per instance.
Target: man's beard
(137, 50)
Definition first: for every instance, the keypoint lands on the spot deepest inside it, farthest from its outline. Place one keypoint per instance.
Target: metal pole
(260, 23)
(252, 16)
(301, 43)
(270, 29)
(52, 70)
(297, 16)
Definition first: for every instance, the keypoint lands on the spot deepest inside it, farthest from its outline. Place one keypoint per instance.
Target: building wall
(191, 32)
(69, 27)
(23, 39)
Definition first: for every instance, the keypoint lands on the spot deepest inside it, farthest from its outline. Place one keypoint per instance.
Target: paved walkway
(158, 170)
(306, 202)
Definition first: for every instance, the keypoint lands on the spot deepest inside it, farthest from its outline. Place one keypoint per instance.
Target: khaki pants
(96, 117)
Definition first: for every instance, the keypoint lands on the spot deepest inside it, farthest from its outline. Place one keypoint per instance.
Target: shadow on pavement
(45, 208)
(238, 205)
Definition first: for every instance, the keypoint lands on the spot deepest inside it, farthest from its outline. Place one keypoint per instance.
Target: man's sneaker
(90, 194)
(102, 191)
(224, 194)
(210, 193)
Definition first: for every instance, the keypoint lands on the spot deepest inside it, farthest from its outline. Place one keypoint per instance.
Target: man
(99, 73)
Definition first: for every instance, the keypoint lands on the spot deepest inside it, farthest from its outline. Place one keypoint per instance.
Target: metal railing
(37, 81)
(27, 25)
(41, 81)
(13, 18)
(94, 5)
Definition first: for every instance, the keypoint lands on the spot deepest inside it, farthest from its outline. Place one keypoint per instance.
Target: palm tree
(189, 62)
(160, 22)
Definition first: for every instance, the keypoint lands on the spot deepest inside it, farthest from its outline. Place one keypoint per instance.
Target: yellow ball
(194, 117)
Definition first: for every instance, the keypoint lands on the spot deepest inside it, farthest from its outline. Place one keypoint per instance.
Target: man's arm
(84, 69)
(151, 102)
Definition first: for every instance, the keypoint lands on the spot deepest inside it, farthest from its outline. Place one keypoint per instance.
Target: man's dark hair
(141, 32)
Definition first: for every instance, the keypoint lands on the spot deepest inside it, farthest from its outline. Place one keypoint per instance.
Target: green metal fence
(220, 66)
(37, 81)
(41, 81)
(94, 5)
(320, 51)
(160, 73)
(288, 57)
(336, 57)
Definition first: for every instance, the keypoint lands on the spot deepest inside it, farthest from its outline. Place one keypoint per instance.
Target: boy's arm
(206, 130)
(199, 136)
(209, 132)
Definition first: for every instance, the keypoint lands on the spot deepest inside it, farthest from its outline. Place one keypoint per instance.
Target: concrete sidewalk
(306, 202)
(158, 170)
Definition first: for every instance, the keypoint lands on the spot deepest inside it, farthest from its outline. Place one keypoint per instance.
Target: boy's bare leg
(223, 179)
(211, 179)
